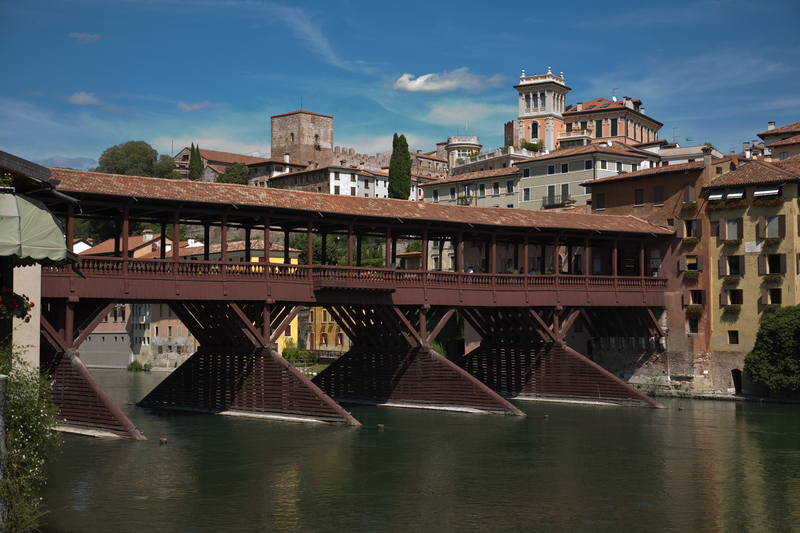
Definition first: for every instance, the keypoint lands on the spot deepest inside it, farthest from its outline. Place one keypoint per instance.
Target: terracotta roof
(135, 242)
(303, 111)
(155, 254)
(683, 167)
(226, 157)
(428, 156)
(787, 142)
(609, 106)
(753, 172)
(409, 254)
(277, 160)
(789, 128)
(480, 174)
(243, 196)
(614, 149)
(791, 164)
(218, 168)
(256, 245)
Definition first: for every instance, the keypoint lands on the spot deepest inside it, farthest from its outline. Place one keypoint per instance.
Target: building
(109, 345)
(773, 134)
(600, 120)
(500, 158)
(675, 154)
(487, 188)
(259, 174)
(138, 245)
(218, 160)
(325, 335)
(542, 99)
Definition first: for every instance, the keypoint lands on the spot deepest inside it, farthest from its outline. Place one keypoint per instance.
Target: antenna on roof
(674, 135)
(614, 93)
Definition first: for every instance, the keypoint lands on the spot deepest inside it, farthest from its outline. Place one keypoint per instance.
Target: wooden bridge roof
(137, 191)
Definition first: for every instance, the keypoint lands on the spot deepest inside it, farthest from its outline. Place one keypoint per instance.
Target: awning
(735, 193)
(715, 195)
(30, 232)
(768, 191)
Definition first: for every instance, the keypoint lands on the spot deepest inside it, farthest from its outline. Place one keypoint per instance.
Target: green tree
(133, 158)
(236, 173)
(775, 359)
(165, 168)
(400, 169)
(195, 163)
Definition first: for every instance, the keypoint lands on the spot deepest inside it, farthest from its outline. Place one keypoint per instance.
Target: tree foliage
(336, 250)
(400, 169)
(195, 163)
(236, 173)
(775, 359)
(136, 158)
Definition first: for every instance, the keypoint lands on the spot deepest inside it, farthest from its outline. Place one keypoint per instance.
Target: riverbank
(688, 395)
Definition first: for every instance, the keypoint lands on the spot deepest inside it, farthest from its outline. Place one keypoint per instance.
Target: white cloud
(34, 93)
(86, 37)
(461, 113)
(83, 98)
(183, 106)
(79, 163)
(459, 79)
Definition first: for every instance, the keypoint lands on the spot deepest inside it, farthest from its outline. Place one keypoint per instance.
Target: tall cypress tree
(400, 169)
(195, 163)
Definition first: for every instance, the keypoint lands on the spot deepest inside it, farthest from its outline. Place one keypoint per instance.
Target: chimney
(770, 126)
(745, 146)
(641, 110)
(147, 235)
(90, 240)
(707, 165)
(419, 151)
(286, 158)
(189, 242)
(579, 106)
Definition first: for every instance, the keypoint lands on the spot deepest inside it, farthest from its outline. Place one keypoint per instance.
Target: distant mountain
(76, 163)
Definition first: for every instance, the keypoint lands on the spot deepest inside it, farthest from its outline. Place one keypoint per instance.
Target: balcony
(575, 134)
(556, 201)
(465, 200)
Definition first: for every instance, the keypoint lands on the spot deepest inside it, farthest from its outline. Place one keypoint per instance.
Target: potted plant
(773, 278)
(732, 242)
(688, 206)
(732, 280)
(771, 308)
(691, 275)
(769, 202)
(690, 241)
(14, 305)
(694, 311)
(733, 309)
(772, 241)
(728, 204)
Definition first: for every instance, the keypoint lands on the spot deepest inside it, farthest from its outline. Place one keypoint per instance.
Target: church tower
(542, 99)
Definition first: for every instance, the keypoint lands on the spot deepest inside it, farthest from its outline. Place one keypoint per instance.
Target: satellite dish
(614, 98)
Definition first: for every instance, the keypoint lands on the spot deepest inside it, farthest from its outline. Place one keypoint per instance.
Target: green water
(714, 466)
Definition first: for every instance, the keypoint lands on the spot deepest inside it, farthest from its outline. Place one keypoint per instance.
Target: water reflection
(710, 467)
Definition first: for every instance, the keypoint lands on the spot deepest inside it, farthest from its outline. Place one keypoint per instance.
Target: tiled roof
(480, 174)
(223, 195)
(226, 157)
(791, 164)
(787, 142)
(155, 254)
(303, 111)
(789, 128)
(218, 168)
(428, 156)
(753, 172)
(134, 242)
(614, 149)
(597, 103)
(683, 167)
(256, 245)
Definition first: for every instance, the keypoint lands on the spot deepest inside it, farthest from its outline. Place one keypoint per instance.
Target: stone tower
(542, 100)
(306, 136)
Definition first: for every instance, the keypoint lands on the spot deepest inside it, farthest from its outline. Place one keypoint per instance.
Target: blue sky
(83, 75)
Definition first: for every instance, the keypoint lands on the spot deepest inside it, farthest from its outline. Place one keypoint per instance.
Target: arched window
(534, 130)
(541, 99)
(316, 139)
(528, 101)
(323, 339)
(292, 136)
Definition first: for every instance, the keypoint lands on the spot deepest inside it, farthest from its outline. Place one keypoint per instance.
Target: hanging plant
(728, 204)
(769, 202)
(691, 275)
(733, 309)
(14, 305)
(690, 241)
(732, 242)
(732, 280)
(688, 206)
(694, 311)
(773, 241)
(773, 278)
(771, 308)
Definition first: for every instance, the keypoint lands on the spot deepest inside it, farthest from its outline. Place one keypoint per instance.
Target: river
(711, 466)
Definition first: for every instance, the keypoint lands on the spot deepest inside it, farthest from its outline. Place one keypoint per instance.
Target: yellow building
(236, 252)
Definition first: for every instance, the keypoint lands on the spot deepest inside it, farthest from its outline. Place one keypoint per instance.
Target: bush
(775, 359)
(135, 366)
(30, 434)
(438, 348)
(293, 353)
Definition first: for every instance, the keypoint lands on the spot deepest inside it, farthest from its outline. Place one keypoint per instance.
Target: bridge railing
(155, 268)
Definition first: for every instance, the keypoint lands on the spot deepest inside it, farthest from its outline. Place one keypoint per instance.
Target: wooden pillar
(324, 258)
(69, 325)
(394, 249)
(525, 265)
(265, 329)
(569, 265)
(457, 245)
(247, 246)
(125, 228)
(641, 258)
(587, 257)
(358, 250)
(267, 245)
(117, 235)
(286, 260)
(350, 245)
(423, 324)
(163, 239)
(70, 226)
(206, 240)
(424, 258)
(176, 235)
(310, 242)
(614, 258)
(493, 254)
(516, 256)
(555, 256)
(387, 259)
(223, 244)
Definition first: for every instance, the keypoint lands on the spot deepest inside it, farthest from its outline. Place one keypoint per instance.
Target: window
(613, 127)
(564, 192)
(155, 331)
(352, 177)
(773, 228)
(564, 168)
(526, 173)
(366, 184)
(734, 262)
(658, 195)
(336, 176)
(551, 169)
(735, 296)
(733, 337)
(353, 191)
(587, 165)
(481, 190)
(288, 331)
(692, 262)
(510, 187)
(598, 128)
(496, 188)
(601, 200)
(732, 227)
(452, 193)
(783, 155)
(692, 325)
(323, 339)
(691, 228)
(696, 297)
(311, 316)
(467, 190)
(775, 296)
(324, 315)
(584, 125)
(604, 164)
(336, 190)
(774, 264)
(526, 194)
(160, 310)
(436, 196)
(719, 170)
(339, 339)
(619, 166)
(634, 167)
(638, 197)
